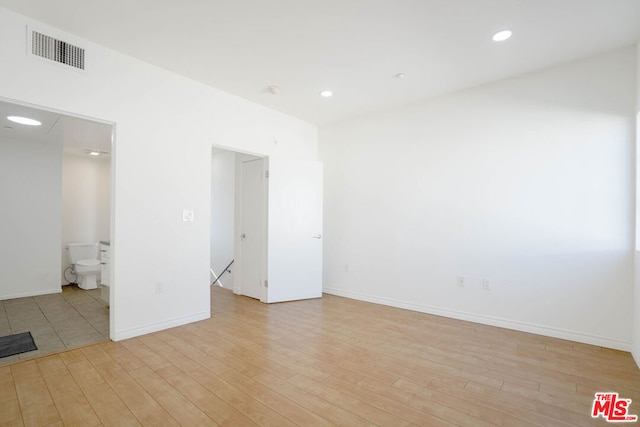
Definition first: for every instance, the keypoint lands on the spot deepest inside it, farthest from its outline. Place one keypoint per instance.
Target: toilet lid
(88, 262)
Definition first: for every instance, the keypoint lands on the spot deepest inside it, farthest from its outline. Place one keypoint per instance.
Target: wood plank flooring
(330, 361)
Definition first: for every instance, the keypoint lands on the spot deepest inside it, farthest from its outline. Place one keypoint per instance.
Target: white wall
(636, 299)
(86, 196)
(223, 181)
(30, 217)
(165, 127)
(527, 183)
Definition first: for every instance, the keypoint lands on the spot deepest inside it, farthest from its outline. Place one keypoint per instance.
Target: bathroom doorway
(56, 180)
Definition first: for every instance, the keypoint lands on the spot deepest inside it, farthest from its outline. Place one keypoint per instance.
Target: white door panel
(253, 238)
(294, 230)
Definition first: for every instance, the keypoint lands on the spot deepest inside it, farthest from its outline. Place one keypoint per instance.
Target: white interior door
(253, 234)
(294, 230)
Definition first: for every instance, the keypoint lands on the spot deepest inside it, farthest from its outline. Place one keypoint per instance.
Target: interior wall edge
(636, 354)
(636, 300)
(491, 321)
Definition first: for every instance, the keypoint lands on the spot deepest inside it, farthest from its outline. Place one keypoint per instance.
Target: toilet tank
(78, 251)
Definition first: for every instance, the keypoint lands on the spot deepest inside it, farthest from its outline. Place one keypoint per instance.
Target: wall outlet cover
(187, 215)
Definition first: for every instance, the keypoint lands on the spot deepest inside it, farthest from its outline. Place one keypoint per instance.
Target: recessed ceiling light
(95, 152)
(24, 120)
(501, 36)
(399, 76)
(326, 93)
(273, 90)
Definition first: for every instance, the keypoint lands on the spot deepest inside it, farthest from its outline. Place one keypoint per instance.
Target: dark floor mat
(16, 344)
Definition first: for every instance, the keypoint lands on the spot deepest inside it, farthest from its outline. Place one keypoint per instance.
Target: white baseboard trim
(31, 294)
(489, 320)
(155, 327)
(636, 354)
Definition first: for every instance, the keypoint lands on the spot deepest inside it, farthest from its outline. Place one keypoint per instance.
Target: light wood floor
(331, 361)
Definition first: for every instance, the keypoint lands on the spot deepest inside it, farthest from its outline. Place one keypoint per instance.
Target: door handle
(243, 236)
(318, 236)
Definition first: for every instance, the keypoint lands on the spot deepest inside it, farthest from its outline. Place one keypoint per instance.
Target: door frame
(112, 210)
(237, 223)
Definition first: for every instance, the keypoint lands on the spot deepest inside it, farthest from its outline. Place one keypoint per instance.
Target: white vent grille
(57, 50)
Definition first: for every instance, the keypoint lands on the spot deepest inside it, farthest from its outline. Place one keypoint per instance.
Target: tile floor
(73, 318)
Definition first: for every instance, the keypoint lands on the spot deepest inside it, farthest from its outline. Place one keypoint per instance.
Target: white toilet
(84, 257)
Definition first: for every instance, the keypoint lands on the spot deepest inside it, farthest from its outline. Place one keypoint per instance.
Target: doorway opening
(229, 257)
(274, 207)
(57, 180)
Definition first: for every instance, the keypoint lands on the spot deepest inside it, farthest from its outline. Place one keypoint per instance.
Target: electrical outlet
(159, 288)
(485, 284)
(461, 282)
(187, 215)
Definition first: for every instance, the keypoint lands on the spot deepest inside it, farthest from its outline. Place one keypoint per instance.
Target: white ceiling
(352, 47)
(74, 134)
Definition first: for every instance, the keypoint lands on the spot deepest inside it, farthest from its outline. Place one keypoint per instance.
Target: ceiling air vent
(57, 50)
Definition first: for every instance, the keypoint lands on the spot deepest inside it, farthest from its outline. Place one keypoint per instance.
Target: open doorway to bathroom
(55, 185)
